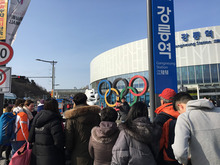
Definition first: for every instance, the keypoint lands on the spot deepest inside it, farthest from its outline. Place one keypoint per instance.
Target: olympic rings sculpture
(128, 88)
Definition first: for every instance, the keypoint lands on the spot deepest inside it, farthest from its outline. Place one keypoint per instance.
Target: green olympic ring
(135, 97)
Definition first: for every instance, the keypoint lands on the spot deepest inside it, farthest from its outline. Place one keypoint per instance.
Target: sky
(74, 32)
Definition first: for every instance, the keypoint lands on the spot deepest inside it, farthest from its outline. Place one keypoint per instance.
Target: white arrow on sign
(6, 53)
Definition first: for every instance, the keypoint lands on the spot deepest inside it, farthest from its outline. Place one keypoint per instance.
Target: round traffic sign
(2, 76)
(6, 53)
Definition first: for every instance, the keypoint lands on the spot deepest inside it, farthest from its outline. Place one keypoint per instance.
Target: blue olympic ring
(99, 89)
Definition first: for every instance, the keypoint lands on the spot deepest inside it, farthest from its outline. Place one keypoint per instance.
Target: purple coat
(102, 141)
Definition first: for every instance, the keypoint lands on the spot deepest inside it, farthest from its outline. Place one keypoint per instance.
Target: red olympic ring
(145, 85)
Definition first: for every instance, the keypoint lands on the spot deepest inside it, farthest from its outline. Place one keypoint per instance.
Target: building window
(214, 72)
(141, 85)
(199, 78)
(184, 75)
(178, 76)
(135, 85)
(219, 72)
(191, 74)
(146, 74)
(141, 98)
(206, 74)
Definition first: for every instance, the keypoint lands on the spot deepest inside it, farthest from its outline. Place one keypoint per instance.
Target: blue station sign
(164, 54)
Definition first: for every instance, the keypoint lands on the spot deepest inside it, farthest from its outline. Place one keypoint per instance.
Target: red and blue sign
(164, 55)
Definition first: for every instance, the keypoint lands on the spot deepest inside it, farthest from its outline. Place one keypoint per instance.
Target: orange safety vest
(21, 127)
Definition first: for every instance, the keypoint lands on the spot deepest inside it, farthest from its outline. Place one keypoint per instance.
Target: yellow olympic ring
(117, 97)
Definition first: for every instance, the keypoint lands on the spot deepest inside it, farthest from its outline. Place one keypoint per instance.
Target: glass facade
(214, 71)
(191, 70)
(206, 71)
(198, 74)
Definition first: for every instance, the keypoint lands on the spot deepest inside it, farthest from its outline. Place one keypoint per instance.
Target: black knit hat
(80, 98)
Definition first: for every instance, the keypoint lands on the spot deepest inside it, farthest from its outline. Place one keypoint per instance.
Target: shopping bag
(22, 156)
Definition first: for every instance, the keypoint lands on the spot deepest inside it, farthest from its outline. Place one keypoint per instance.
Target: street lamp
(53, 72)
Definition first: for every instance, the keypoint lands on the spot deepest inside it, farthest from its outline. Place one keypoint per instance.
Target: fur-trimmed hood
(142, 130)
(105, 133)
(81, 112)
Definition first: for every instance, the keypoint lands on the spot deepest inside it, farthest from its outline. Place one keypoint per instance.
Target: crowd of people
(185, 131)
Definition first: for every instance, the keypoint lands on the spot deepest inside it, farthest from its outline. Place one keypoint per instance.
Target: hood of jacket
(83, 113)
(167, 108)
(106, 132)
(45, 116)
(202, 104)
(28, 112)
(142, 130)
(18, 109)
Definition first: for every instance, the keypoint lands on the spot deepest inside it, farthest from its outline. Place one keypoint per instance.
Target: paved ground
(3, 162)
(3, 159)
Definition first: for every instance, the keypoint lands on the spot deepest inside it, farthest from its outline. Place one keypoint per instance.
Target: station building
(197, 62)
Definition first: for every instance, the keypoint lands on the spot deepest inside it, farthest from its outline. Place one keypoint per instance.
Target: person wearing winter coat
(104, 137)
(21, 126)
(197, 131)
(40, 105)
(138, 141)
(79, 122)
(166, 118)
(6, 147)
(18, 107)
(123, 109)
(47, 136)
(28, 109)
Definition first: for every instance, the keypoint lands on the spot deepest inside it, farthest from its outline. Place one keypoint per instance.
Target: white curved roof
(133, 57)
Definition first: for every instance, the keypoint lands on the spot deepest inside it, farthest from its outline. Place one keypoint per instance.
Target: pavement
(3, 160)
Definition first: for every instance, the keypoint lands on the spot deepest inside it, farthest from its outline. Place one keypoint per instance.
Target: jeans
(16, 145)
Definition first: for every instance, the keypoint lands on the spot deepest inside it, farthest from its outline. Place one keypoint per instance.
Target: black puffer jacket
(47, 135)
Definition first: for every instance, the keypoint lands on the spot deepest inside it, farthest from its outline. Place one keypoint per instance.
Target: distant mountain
(22, 87)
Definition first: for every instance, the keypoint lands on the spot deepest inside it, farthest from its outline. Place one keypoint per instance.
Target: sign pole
(150, 59)
(161, 47)
(1, 103)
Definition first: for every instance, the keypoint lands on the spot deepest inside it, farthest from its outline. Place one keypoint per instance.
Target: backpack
(166, 155)
(7, 126)
(169, 129)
